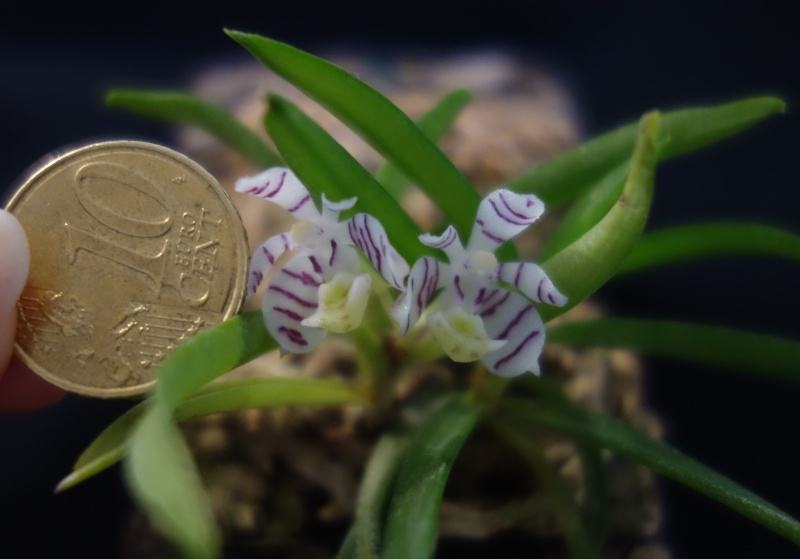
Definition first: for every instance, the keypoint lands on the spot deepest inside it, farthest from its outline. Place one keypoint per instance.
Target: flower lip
(462, 335)
(342, 303)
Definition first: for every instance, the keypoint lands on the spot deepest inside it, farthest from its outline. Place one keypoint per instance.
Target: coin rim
(235, 301)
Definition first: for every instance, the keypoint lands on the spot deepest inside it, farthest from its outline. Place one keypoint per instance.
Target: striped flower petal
(370, 237)
(291, 297)
(502, 215)
(531, 280)
(447, 242)
(331, 210)
(281, 186)
(426, 276)
(327, 252)
(511, 317)
(263, 259)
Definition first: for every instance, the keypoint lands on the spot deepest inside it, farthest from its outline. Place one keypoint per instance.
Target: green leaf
(158, 468)
(433, 124)
(582, 267)
(324, 166)
(106, 450)
(348, 548)
(374, 493)
(606, 432)
(375, 118)
(411, 526)
(567, 176)
(711, 345)
(594, 477)
(587, 210)
(692, 242)
(223, 396)
(210, 354)
(164, 482)
(186, 109)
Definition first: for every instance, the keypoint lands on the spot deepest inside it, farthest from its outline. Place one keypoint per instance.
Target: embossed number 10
(103, 189)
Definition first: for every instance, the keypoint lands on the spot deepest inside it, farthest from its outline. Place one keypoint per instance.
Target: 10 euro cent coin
(134, 248)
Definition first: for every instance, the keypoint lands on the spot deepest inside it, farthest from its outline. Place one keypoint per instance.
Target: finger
(14, 262)
(20, 389)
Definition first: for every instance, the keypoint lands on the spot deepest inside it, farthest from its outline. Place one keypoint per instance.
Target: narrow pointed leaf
(692, 242)
(567, 176)
(158, 469)
(323, 165)
(587, 210)
(374, 493)
(411, 526)
(433, 124)
(582, 267)
(210, 354)
(348, 548)
(106, 450)
(181, 108)
(594, 476)
(375, 118)
(164, 482)
(606, 432)
(224, 396)
(727, 348)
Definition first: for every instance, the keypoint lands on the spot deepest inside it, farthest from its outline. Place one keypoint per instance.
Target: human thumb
(14, 263)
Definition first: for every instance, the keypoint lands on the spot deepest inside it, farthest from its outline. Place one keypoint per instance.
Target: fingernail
(14, 261)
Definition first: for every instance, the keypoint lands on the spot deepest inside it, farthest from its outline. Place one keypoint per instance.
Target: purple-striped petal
(514, 319)
(426, 276)
(291, 297)
(327, 248)
(281, 186)
(337, 207)
(263, 259)
(369, 236)
(531, 280)
(447, 242)
(502, 215)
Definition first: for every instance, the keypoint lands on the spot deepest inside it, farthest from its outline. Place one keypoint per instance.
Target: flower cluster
(313, 285)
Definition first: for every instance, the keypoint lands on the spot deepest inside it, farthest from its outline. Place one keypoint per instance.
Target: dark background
(618, 58)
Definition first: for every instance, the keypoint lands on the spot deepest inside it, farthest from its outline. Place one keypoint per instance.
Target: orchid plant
(375, 270)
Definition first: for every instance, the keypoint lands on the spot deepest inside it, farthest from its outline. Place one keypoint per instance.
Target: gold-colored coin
(134, 248)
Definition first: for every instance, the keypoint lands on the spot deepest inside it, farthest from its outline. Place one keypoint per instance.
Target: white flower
(316, 286)
(476, 318)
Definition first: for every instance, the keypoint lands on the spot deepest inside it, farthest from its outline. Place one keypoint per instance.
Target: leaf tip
(247, 40)
(111, 97)
(233, 33)
(771, 105)
(649, 125)
(68, 482)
